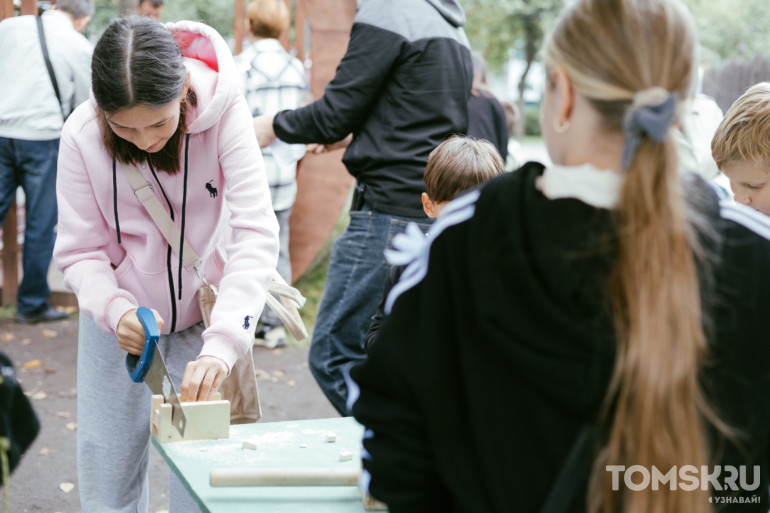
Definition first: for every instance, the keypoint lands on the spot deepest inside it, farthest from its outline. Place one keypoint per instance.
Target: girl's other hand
(202, 379)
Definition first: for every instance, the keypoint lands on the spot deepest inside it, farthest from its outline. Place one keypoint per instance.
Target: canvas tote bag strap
(287, 308)
(143, 191)
(290, 298)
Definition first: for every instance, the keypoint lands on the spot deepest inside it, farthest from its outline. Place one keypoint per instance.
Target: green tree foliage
(104, 12)
(217, 13)
(724, 26)
(501, 29)
(498, 28)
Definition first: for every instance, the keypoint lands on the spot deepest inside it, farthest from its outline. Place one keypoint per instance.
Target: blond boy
(741, 147)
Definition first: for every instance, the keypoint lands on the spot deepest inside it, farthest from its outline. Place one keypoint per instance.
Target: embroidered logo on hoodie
(212, 190)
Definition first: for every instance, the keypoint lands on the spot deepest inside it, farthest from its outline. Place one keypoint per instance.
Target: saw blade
(159, 381)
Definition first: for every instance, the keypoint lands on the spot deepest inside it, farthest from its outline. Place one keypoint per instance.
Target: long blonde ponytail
(654, 406)
(655, 413)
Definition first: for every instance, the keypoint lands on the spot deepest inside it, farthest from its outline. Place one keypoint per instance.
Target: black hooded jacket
(499, 349)
(401, 89)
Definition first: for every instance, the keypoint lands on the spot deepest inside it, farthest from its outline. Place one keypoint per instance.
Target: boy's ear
(427, 206)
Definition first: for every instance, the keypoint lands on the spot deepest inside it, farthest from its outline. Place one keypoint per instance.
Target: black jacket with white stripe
(401, 89)
(500, 346)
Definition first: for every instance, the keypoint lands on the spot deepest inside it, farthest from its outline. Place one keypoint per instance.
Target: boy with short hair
(457, 165)
(741, 147)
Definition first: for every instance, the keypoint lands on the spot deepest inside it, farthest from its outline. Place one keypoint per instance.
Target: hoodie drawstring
(184, 206)
(115, 195)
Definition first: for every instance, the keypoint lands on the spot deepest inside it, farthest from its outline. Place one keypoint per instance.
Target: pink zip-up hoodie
(220, 196)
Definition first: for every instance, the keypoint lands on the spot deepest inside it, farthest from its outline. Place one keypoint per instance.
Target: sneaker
(49, 314)
(270, 338)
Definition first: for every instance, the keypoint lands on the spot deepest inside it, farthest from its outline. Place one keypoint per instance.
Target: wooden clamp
(206, 420)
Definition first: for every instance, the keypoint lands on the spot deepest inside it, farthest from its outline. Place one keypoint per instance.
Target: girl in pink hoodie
(167, 100)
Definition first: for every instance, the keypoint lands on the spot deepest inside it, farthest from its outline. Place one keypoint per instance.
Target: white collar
(267, 44)
(596, 187)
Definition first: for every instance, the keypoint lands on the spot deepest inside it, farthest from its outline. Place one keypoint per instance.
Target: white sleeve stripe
(364, 480)
(353, 390)
(458, 210)
(747, 217)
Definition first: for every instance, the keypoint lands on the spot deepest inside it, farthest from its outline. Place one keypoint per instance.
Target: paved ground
(45, 356)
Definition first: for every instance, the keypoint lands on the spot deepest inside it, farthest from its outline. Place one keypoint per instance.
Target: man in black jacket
(401, 89)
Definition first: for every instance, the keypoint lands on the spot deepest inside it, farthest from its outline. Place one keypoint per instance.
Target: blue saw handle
(139, 365)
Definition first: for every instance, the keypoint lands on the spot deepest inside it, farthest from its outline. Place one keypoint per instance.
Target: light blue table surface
(279, 446)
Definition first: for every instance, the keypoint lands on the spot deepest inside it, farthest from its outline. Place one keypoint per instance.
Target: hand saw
(150, 368)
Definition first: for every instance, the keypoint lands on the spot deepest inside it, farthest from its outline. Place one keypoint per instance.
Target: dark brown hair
(166, 159)
(137, 61)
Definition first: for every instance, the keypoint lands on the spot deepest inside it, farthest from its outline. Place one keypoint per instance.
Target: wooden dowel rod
(283, 477)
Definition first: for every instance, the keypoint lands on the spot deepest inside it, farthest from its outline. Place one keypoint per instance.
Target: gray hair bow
(652, 113)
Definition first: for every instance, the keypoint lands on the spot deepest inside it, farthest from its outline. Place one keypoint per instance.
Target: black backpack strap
(572, 473)
(48, 63)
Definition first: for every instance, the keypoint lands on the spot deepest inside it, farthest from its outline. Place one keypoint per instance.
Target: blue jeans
(32, 165)
(354, 287)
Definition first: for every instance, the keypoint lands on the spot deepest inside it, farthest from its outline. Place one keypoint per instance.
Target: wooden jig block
(206, 420)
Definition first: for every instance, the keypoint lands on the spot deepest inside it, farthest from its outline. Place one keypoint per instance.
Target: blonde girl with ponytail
(630, 65)
(590, 335)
